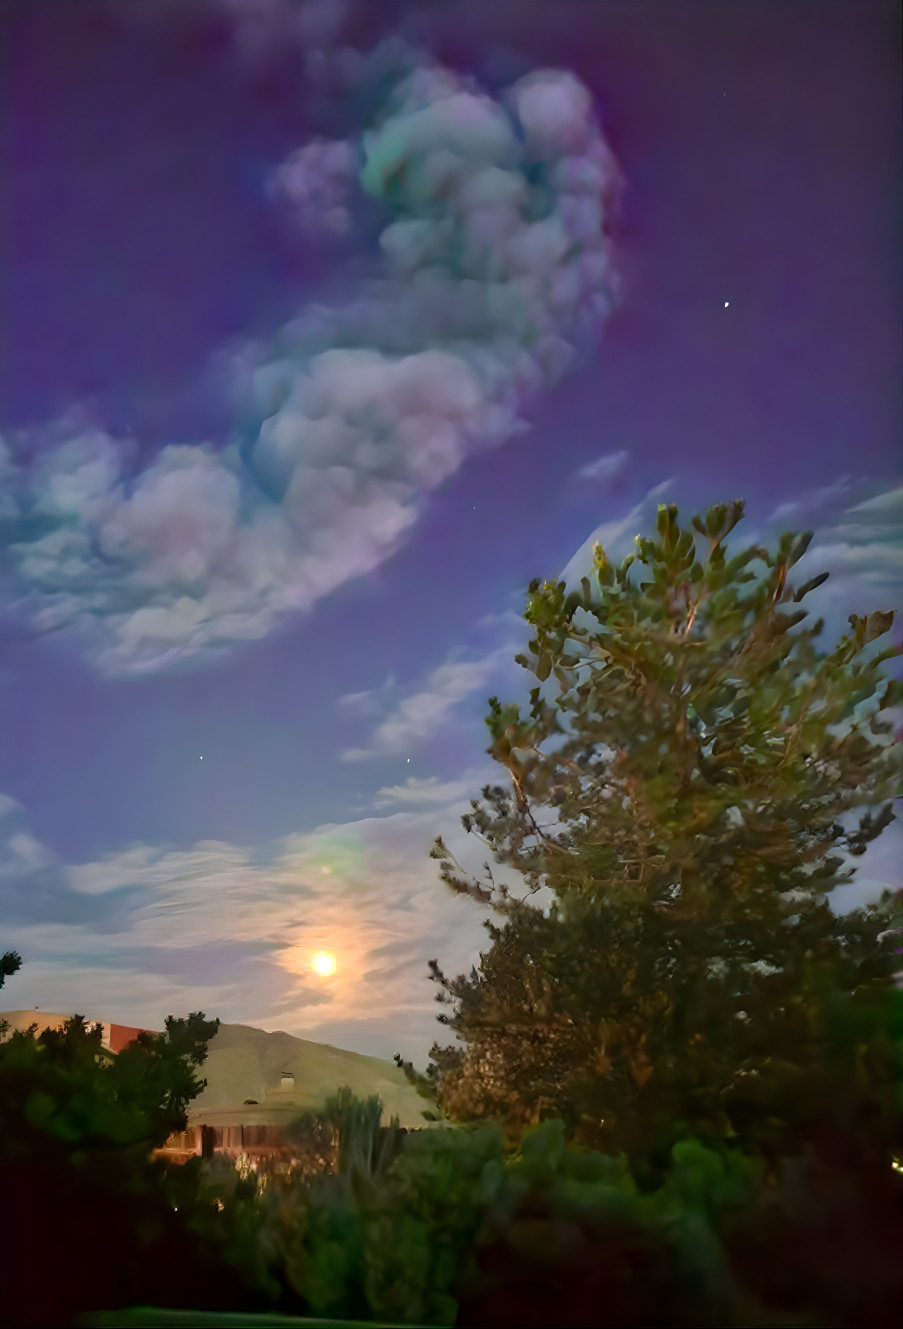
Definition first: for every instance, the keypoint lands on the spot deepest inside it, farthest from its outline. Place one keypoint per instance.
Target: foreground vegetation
(678, 1099)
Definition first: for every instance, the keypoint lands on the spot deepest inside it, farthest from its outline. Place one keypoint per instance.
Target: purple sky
(264, 690)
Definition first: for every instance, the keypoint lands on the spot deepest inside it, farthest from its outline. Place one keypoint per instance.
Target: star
(726, 303)
(202, 758)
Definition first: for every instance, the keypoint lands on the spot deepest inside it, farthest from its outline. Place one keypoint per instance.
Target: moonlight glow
(324, 963)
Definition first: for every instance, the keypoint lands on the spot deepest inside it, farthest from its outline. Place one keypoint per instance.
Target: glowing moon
(324, 963)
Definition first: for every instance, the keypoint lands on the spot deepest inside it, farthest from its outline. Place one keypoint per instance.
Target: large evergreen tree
(690, 974)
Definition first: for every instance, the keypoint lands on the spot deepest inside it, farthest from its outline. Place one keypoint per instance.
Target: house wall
(262, 1145)
(120, 1035)
(113, 1036)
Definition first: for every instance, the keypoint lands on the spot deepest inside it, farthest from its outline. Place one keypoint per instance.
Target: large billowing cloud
(494, 268)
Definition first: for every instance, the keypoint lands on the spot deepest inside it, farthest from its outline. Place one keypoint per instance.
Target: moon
(323, 963)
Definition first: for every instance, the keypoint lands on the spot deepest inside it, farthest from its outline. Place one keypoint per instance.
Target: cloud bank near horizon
(494, 269)
(147, 931)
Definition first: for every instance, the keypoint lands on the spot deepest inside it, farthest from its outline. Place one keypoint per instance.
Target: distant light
(202, 758)
(409, 761)
(726, 303)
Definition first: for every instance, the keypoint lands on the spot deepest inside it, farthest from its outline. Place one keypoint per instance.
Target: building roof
(242, 1115)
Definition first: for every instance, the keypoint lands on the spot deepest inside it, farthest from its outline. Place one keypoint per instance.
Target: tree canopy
(10, 963)
(78, 1125)
(690, 974)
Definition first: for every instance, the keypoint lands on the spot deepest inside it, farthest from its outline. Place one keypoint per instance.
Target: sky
(328, 326)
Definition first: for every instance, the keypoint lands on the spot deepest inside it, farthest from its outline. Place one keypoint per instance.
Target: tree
(10, 963)
(346, 1136)
(77, 1130)
(690, 975)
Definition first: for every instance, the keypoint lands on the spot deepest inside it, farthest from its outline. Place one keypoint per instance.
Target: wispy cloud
(8, 805)
(858, 540)
(604, 468)
(814, 501)
(494, 268)
(211, 928)
(507, 618)
(214, 928)
(616, 536)
(28, 851)
(421, 713)
(431, 791)
(368, 702)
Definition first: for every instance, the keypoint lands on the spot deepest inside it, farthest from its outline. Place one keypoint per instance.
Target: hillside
(244, 1062)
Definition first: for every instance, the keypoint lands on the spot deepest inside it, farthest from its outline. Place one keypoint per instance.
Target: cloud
(208, 928)
(419, 715)
(29, 851)
(8, 805)
(431, 790)
(493, 271)
(365, 703)
(147, 931)
(813, 500)
(314, 181)
(887, 506)
(608, 467)
(507, 618)
(615, 536)
(858, 541)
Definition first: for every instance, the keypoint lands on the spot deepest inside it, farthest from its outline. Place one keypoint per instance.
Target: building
(257, 1083)
(251, 1131)
(114, 1037)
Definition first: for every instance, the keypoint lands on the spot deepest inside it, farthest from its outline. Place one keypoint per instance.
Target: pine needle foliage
(690, 976)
